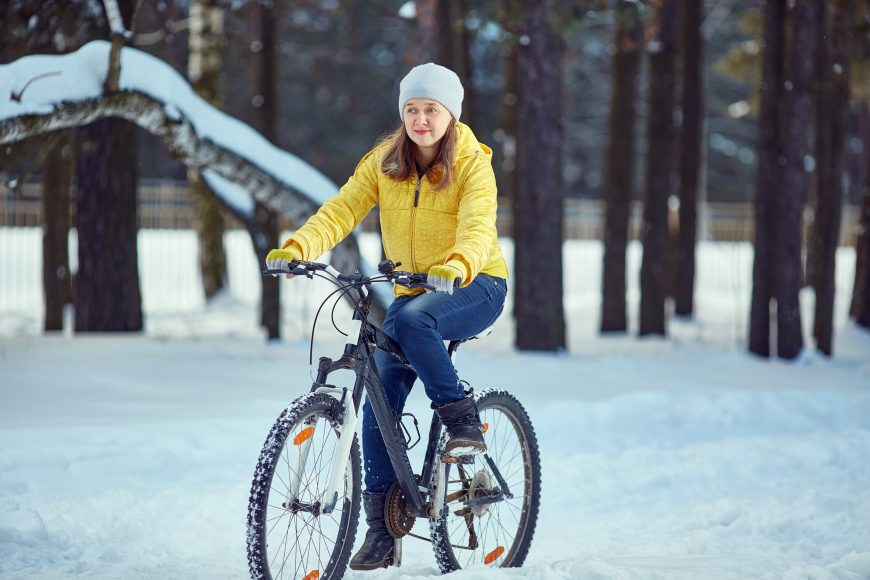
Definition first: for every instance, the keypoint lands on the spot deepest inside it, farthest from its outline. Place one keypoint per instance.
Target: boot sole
(367, 567)
(465, 450)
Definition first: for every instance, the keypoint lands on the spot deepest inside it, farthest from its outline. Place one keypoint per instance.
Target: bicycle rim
(292, 539)
(497, 534)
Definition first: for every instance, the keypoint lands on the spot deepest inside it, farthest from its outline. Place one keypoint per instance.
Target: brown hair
(399, 162)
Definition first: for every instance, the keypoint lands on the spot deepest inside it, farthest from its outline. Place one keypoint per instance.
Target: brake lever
(422, 285)
(298, 271)
(413, 280)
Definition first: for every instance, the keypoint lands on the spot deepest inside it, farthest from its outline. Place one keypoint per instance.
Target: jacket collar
(468, 143)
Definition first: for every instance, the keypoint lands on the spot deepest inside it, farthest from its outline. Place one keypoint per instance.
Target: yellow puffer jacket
(420, 227)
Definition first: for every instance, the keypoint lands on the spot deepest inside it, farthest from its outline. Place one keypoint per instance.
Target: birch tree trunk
(204, 67)
(537, 210)
(620, 159)
(657, 188)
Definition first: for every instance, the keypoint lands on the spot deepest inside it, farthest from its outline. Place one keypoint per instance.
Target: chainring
(399, 521)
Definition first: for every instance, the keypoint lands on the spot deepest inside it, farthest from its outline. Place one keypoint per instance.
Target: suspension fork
(345, 419)
(347, 410)
(338, 468)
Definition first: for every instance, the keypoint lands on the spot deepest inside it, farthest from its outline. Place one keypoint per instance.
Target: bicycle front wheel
(288, 537)
(479, 524)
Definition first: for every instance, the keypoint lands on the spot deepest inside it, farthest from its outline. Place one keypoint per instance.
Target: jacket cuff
(294, 248)
(460, 267)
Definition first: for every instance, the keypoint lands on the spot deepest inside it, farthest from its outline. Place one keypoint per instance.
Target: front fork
(338, 467)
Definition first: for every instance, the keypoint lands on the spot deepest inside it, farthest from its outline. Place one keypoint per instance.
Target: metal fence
(167, 205)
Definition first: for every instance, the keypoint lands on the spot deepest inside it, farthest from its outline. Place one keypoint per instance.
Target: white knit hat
(432, 81)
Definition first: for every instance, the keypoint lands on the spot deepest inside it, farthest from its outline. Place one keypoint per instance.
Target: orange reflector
(448, 459)
(493, 556)
(303, 436)
(485, 427)
(313, 575)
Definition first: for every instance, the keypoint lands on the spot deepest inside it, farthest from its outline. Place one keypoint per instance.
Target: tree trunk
(692, 106)
(768, 176)
(107, 295)
(822, 96)
(540, 321)
(860, 306)
(107, 282)
(57, 179)
(620, 158)
(797, 150)
(462, 41)
(453, 41)
(660, 139)
(444, 21)
(832, 170)
(265, 230)
(422, 45)
(508, 144)
(204, 68)
(30, 27)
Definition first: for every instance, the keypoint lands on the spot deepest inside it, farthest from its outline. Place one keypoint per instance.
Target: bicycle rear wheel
(469, 532)
(288, 537)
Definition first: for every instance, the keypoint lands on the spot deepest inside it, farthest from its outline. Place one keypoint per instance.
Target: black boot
(465, 433)
(378, 549)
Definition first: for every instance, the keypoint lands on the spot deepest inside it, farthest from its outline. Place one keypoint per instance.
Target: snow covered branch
(40, 94)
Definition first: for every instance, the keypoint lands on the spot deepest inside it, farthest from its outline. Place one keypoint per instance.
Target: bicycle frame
(358, 357)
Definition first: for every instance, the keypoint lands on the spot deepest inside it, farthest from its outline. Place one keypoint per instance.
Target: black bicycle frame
(359, 358)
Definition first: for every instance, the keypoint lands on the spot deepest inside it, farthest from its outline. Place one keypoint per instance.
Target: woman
(437, 195)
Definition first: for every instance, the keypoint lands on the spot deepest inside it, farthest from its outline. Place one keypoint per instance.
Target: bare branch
(16, 95)
(149, 38)
(119, 35)
(15, 183)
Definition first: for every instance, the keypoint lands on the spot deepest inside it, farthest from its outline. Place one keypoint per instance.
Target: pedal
(462, 459)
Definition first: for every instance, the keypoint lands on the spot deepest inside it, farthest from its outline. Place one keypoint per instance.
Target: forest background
(657, 110)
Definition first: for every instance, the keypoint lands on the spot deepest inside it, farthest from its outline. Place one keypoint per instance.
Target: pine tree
(620, 158)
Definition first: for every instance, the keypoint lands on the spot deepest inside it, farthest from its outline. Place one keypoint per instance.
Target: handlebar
(387, 268)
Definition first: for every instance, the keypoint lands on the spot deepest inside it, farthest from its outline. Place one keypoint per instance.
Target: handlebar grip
(295, 267)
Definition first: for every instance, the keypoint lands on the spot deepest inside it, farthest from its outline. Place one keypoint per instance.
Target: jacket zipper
(413, 221)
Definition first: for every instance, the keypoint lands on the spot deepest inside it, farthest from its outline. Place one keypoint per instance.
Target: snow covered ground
(131, 456)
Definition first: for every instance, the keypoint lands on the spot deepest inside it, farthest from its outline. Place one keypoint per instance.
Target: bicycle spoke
(499, 527)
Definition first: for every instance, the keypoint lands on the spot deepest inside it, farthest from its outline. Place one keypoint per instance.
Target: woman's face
(426, 121)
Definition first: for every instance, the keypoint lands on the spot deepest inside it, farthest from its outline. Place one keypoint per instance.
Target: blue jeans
(421, 324)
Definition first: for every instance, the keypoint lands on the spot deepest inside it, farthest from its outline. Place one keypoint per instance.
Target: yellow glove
(444, 278)
(278, 259)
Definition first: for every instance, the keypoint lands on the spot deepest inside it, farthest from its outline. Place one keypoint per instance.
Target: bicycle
(304, 505)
